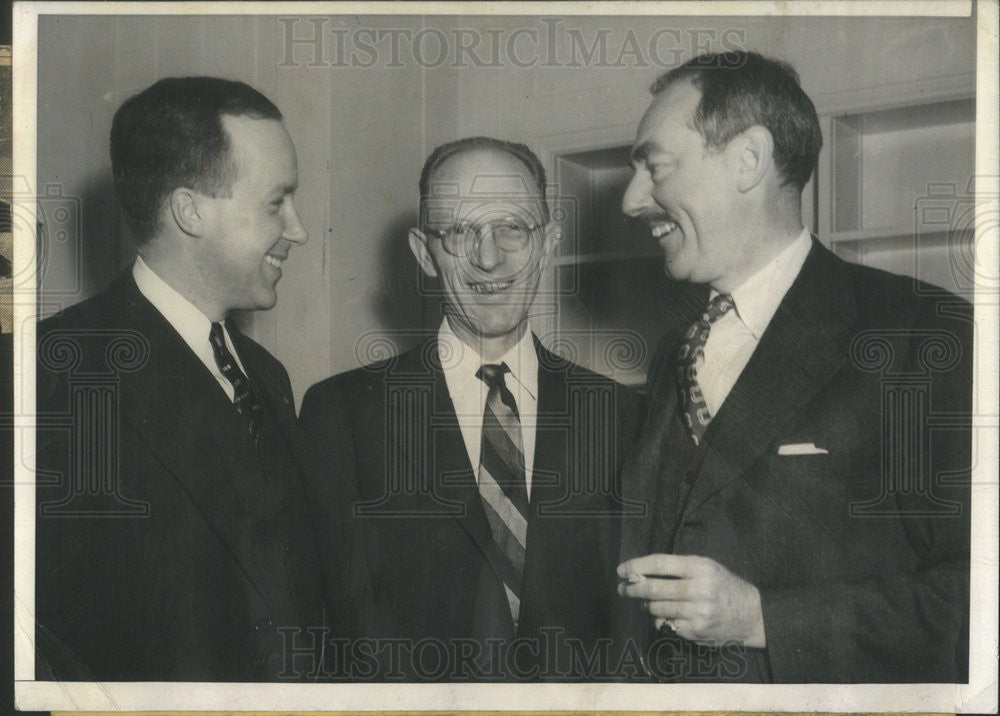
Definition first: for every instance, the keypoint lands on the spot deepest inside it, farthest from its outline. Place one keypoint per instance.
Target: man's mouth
(275, 261)
(487, 287)
(661, 228)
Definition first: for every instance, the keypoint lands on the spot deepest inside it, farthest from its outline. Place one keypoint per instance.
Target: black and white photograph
(533, 356)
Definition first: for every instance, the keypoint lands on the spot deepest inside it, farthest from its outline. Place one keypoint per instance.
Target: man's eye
(659, 168)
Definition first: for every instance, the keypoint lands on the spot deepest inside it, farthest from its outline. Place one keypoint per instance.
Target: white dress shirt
(192, 325)
(734, 336)
(460, 363)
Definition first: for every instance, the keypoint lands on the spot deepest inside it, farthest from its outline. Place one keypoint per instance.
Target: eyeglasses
(509, 235)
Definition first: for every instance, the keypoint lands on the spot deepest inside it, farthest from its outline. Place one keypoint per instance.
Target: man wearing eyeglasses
(486, 465)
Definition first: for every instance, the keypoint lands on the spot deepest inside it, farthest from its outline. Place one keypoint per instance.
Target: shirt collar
(460, 359)
(758, 297)
(192, 325)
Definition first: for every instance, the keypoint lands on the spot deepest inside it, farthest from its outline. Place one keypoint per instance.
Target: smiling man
(174, 539)
(486, 466)
(806, 522)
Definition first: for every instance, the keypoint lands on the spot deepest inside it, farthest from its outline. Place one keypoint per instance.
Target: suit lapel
(652, 464)
(553, 437)
(174, 399)
(271, 389)
(268, 385)
(652, 458)
(801, 349)
(554, 424)
(183, 416)
(441, 449)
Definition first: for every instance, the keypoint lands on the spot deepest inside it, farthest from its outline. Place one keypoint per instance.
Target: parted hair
(741, 89)
(171, 135)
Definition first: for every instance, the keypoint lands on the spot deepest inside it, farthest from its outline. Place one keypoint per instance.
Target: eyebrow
(283, 189)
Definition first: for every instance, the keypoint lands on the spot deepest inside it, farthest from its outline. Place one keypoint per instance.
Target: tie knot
(718, 307)
(492, 374)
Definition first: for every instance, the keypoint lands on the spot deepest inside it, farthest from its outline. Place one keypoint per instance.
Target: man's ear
(187, 211)
(553, 235)
(418, 246)
(754, 156)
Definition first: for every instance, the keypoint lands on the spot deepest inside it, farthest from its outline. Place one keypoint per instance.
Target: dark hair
(743, 89)
(171, 135)
(520, 152)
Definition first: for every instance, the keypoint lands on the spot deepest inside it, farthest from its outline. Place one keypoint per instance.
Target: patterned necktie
(502, 484)
(246, 402)
(696, 415)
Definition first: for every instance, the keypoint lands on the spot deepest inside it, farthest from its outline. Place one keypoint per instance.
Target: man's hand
(696, 596)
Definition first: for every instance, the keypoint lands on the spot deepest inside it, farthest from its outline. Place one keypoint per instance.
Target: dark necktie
(696, 415)
(502, 484)
(246, 402)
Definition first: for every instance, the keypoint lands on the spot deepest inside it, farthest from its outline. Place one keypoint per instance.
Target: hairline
(498, 147)
(537, 199)
(495, 151)
(698, 77)
(233, 165)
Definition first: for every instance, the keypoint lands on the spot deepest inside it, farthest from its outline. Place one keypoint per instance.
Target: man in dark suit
(808, 519)
(174, 539)
(485, 464)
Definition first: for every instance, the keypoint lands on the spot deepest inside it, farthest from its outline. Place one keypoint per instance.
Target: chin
(679, 270)
(267, 302)
(671, 270)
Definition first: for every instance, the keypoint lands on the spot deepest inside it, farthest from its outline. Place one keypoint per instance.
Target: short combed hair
(171, 135)
(521, 152)
(742, 89)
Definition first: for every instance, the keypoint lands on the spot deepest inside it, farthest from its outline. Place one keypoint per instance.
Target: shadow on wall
(407, 306)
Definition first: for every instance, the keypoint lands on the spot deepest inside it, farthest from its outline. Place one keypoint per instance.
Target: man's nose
(638, 195)
(484, 253)
(294, 231)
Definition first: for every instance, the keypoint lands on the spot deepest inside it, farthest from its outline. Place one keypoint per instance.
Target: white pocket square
(801, 449)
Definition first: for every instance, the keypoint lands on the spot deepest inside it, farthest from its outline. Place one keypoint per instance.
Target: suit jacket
(860, 553)
(168, 546)
(428, 549)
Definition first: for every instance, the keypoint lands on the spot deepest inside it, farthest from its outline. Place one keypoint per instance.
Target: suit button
(690, 476)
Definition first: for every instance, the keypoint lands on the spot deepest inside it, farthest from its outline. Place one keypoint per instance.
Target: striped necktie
(246, 402)
(502, 483)
(696, 414)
